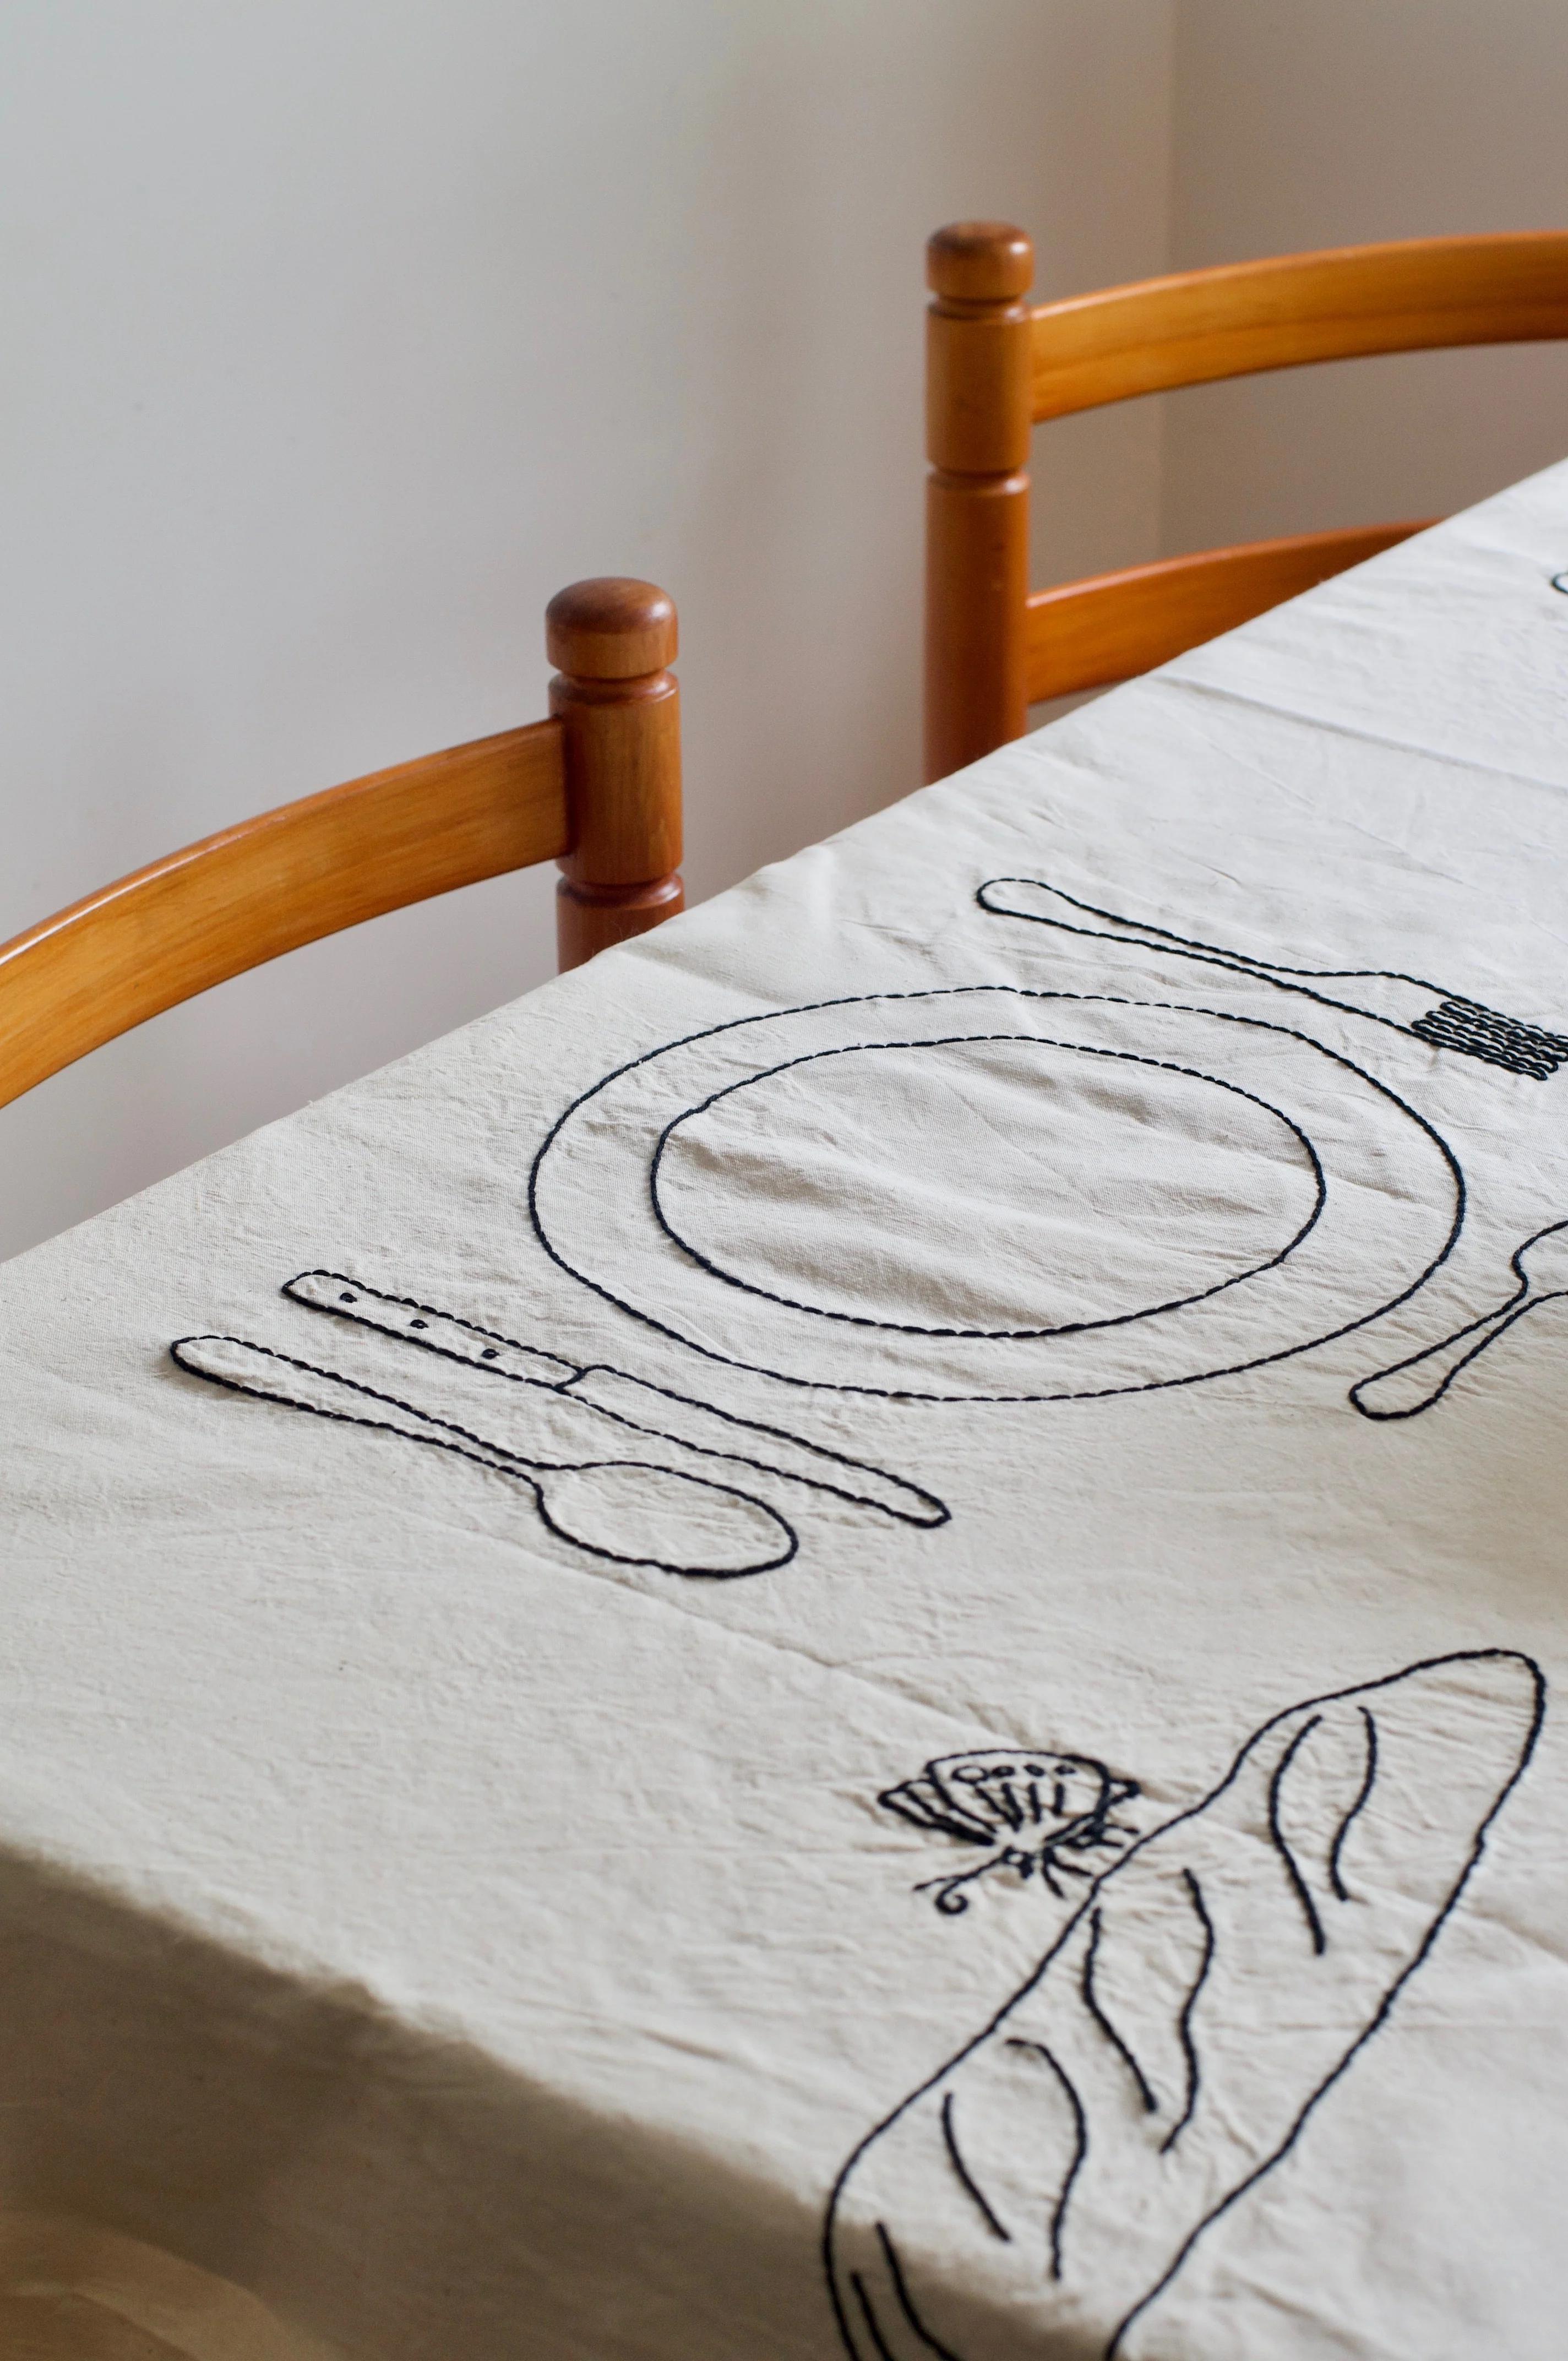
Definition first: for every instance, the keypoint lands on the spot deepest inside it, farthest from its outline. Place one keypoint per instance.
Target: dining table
(844, 1640)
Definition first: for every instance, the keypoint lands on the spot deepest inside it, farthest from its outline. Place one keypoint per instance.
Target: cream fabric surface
(846, 1637)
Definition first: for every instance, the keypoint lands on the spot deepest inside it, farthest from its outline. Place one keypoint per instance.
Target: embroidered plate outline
(618, 1134)
(1434, 1013)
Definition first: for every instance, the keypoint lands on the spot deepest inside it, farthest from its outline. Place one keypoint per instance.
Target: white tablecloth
(821, 1646)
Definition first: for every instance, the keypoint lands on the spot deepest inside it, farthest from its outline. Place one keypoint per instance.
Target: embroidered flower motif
(1037, 1813)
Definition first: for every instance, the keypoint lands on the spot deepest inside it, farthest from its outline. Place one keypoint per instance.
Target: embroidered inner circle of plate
(990, 1187)
(986, 1192)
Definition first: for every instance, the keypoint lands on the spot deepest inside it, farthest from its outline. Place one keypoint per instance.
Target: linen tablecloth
(842, 1638)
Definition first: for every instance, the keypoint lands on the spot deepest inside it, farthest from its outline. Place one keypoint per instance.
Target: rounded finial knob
(610, 628)
(979, 262)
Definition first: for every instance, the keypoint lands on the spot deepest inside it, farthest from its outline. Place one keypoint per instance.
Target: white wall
(1301, 122)
(340, 333)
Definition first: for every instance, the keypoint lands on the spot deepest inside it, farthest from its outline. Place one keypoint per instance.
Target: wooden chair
(596, 787)
(998, 367)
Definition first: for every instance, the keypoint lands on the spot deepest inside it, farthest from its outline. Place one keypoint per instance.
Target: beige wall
(1301, 122)
(338, 336)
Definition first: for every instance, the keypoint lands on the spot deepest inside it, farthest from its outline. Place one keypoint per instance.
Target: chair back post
(612, 640)
(977, 496)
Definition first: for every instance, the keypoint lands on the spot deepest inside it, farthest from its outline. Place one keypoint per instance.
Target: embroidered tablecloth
(840, 1640)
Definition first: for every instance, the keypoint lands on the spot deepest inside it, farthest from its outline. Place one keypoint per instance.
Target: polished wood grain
(992, 647)
(977, 496)
(1112, 626)
(619, 706)
(1241, 317)
(595, 787)
(252, 892)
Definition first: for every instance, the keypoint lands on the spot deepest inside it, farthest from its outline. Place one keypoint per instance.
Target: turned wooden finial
(977, 439)
(612, 639)
(979, 262)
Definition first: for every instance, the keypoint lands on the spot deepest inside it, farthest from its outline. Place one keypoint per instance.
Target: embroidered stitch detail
(1036, 1811)
(1292, 1866)
(1421, 1378)
(832, 1472)
(245, 1368)
(1184, 2022)
(955, 2158)
(1455, 1022)
(1080, 2141)
(1480, 1709)
(1369, 1780)
(896, 2273)
(444, 1435)
(613, 1295)
(1066, 1328)
(1093, 2003)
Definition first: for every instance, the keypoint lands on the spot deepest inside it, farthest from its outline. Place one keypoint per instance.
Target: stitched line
(1334, 1696)
(1369, 1780)
(495, 1458)
(1458, 1023)
(959, 992)
(1091, 2002)
(859, 2287)
(928, 1803)
(1515, 1306)
(1184, 2023)
(1309, 1909)
(1081, 2144)
(913, 2317)
(949, 1041)
(1387, 2005)
(949, 2140)
(933, 1511)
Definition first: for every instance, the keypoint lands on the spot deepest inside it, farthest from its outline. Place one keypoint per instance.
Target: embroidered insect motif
(1040, 1814)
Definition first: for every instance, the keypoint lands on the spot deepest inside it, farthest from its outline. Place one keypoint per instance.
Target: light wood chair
(595, 787)
(998, 367)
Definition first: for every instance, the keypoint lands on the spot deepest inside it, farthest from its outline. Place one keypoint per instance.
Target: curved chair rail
(1109, 626)
(208, 912)
(1241, 317)
(998, 366)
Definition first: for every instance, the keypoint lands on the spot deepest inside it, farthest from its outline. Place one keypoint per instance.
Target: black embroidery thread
(916, 1507)
(999, 1335)
(609, 1294)
(1184, 2022)
(955, 2158)
(859, 2287)
(1276, 1834)
(998, 1798)
(492, 1455)
(1369, 1781)
(1529, 1717)
(423, 1326)
(1453, 1022)
(890, 2255)
(1080, 2143)
(1091, 2002)
(1386, 2008)
(1382, 1396)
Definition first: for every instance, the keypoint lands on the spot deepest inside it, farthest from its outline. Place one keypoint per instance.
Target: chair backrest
(595, 787)
(997, 367)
